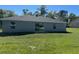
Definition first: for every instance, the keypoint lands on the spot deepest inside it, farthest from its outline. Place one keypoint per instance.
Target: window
(39, 24)
(39, 27)
(12, 27)
(12, 23)
(54, 26)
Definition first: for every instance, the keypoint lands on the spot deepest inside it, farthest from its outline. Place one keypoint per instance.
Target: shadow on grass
(2, 34)
(13, 34)
(60, 32)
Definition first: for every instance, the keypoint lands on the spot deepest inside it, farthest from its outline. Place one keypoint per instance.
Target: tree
(36, 13)
(63, 15)
(29, 13)
(10, 13)
(72, 16)
(6, 13)
(51, 15)
(42, 10)
(25, 11)
(2, 12)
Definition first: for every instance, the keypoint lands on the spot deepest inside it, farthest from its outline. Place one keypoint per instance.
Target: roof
(32, 18)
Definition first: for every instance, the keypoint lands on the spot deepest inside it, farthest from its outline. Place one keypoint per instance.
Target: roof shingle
(32, 18)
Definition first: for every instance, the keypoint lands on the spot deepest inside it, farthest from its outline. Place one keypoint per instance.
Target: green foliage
(29, 13)
(63, 13)
(42, 9)
(2, 12)
(50, 15)
(36, 13)
(72, 16)
(11, 14)
(25, 11)
(6, 13)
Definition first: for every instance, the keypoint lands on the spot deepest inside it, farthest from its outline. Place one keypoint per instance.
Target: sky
(18, 8)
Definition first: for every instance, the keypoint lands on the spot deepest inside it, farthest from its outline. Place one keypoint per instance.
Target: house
(29, 23)
(75, 23)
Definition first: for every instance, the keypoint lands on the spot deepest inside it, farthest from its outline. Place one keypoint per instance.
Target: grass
(41, 43)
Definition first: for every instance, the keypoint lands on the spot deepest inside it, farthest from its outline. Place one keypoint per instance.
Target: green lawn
(56, 43)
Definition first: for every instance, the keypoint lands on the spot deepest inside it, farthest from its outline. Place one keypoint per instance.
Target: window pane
(13, 23)
(54, 26)
(12, 27)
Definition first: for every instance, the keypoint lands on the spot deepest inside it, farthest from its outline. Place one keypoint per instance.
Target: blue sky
(18, 8)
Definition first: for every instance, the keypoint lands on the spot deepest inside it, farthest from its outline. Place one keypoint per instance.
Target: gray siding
(74, 24)
(60, 27)
(25, 26)
(20, 26)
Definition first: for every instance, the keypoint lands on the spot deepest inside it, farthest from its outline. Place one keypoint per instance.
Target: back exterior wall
(59, 27)
(20, 26)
